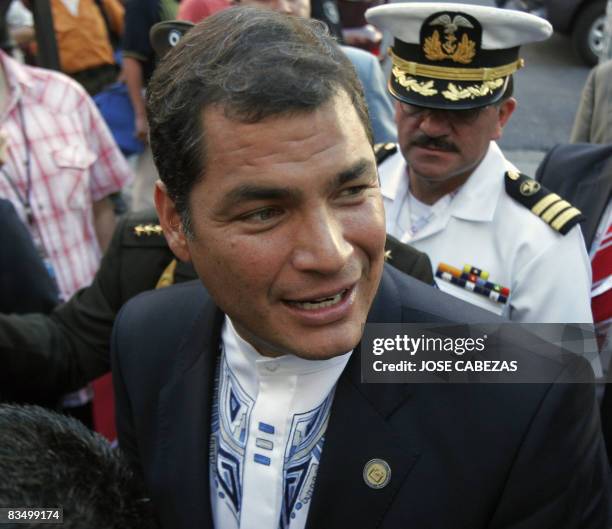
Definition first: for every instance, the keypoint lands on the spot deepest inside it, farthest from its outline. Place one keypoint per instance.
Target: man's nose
(321, 246)
(435, 124)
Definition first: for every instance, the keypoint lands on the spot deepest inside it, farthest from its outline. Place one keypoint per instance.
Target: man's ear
(504, 111)
(171, 222)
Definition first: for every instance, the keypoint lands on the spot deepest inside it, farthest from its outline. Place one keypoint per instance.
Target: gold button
(376, 473)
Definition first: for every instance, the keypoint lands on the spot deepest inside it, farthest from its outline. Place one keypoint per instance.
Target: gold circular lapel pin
(376, 473)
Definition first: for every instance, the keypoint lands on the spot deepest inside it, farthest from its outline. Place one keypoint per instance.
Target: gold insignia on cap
(148, 230)
(376, 473)
(457, 93)
(461, 51)
(529, 187)
(387, 255)
(410, 83)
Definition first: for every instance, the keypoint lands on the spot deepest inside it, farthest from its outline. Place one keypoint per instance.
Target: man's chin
(311, 347)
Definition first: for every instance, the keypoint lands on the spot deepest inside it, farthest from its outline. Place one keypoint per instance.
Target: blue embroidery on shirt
(261, 459)
(302, 457)
(231, 410)
(266, 428)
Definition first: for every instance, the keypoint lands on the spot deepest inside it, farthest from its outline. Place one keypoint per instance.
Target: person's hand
(141, 128)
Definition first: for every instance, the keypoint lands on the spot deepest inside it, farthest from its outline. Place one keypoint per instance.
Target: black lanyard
(25, 199)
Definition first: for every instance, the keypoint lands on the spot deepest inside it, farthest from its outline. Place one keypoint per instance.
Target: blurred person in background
(20, 23)
(368, 69)
(355, 28)
(593, 121)
(138, 63)
(85, 32)
(196, 10)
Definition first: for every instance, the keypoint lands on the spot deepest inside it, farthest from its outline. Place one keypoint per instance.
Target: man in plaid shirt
(58, 168)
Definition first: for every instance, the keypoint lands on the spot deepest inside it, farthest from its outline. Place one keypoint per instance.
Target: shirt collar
(17, 79)
(249, 366)
(395, 177)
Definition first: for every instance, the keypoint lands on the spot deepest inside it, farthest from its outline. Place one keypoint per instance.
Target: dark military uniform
(46, 356)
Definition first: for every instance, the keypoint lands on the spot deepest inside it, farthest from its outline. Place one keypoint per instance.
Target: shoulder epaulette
(147, 230)
(558, 213)
(382, 151)
(142, 231)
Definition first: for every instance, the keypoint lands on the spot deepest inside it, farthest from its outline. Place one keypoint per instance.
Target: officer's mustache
(423, 140)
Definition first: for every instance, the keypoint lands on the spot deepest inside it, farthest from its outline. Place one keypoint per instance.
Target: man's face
(288, 228)
(442, 148)
(298, 8)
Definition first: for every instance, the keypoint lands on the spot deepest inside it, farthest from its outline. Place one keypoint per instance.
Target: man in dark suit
(241, 403)
(583, 173)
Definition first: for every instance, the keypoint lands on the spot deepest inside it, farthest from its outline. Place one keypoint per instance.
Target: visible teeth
(319, 303)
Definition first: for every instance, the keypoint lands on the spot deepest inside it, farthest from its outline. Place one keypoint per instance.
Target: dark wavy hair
(51, 460)
(254, 63)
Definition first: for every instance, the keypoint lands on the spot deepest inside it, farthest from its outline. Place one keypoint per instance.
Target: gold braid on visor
(455, 74)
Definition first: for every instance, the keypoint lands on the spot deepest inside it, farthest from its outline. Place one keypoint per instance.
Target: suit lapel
(184, 422)
(359, 430)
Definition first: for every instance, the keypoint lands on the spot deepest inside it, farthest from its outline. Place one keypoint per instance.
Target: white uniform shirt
(548, 274)
(268, 426)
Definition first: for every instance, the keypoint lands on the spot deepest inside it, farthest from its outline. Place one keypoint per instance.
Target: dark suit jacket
(462, 456)
(25, 285)
(46, 356)
(582, 174)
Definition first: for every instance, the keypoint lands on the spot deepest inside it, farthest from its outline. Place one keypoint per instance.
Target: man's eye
(353, 191)
(262, 215)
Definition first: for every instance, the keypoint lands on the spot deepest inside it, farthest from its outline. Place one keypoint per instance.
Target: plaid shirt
(73, 160)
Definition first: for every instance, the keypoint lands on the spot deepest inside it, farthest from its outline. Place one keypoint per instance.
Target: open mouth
(320, 303)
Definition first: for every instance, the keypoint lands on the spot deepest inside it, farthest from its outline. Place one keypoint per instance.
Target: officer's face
(288, 228)
(442, 148)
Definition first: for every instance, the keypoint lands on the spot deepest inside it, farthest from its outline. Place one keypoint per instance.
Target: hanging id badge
(49, 267)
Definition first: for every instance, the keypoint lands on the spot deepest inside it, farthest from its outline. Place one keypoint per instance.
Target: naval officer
(496, 238)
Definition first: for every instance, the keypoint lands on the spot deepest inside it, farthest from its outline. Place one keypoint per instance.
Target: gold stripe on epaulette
(542, 204)
(167, 277)
(554, 210)
(513, 175)
(565, 217)
(148, 230)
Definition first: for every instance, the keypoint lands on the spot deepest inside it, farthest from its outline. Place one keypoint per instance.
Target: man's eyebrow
(357, 170)
(251, 192)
